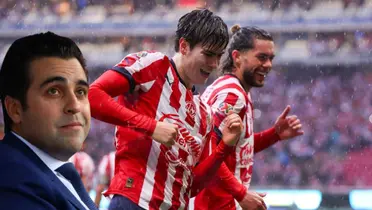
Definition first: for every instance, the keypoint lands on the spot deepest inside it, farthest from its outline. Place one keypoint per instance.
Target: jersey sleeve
(142, 67)
(104, 107)
(225, 101)
(265, 139)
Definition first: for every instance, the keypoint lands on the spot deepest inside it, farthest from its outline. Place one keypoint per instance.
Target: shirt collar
(50, 161)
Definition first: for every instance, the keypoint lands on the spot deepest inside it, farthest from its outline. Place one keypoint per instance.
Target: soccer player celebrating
(245, 64)
(161, 135)
(105, 173)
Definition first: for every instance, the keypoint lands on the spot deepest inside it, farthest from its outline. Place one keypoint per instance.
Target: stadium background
(322, 69)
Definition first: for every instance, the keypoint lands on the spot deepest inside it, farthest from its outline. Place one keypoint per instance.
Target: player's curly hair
(242, 39)
(201, 26)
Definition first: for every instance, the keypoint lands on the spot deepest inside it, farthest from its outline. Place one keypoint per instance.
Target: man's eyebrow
(53, 79)
(83, 83)
(213, 53)
(63, 80)
(267, 55)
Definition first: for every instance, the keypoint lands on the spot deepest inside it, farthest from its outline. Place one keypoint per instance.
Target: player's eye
(53, 91)
(82, 92)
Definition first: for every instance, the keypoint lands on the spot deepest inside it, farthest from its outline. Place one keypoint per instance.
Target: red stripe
(203, 118)
(174, 100)
(186, 195)
(160, 178)
(221, 79)
(212, 98)
(178, 183)
(249, 110)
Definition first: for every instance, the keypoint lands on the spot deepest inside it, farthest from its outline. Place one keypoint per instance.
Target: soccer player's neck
(246, 87)
(177, 59)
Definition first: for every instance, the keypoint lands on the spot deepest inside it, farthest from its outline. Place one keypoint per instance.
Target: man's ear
(236, 57)
(13, 108)
(184, 46)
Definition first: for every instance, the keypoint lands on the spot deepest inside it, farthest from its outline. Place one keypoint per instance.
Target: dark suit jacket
(26, 183)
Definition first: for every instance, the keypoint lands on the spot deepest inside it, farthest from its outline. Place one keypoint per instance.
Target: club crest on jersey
(225, 108)
(191, 109)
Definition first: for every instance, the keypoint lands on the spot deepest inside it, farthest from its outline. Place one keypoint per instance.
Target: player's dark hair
(15, 77)
(242, 39)
(202, 26)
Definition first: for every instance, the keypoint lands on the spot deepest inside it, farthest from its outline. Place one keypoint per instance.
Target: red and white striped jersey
(224, 94)
(147, 172)
(106, 169)
(84, 165)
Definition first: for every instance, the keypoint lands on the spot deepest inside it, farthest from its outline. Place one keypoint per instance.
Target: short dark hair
(242, 39)
(202, 26)
(15, 75)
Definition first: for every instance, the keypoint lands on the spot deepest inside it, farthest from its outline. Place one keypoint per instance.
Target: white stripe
(228, 81)
(147, 86)
(192, 204)
(148, 183)
(237, 206)
(167, 201)
(185, 177)
(144, 62)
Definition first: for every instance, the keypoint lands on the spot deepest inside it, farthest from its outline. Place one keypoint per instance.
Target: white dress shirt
(52, 164)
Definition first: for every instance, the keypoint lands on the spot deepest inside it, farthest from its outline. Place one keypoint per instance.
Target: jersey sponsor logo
(245, 174)
(246, 162)
(245, 155)
(185, 141)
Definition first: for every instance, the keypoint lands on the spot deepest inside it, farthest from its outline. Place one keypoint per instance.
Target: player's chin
(258, 84)
(200, 80)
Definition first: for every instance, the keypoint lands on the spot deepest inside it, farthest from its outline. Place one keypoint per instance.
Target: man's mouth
(205, 73)
(264, 74)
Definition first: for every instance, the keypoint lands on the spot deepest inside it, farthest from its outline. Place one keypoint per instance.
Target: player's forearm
(230, 183)
(105, 108)
(208, 168)
(99, 190)
(265, 139)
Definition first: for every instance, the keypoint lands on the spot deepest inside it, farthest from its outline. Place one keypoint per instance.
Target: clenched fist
(233, 129)
(165, 133)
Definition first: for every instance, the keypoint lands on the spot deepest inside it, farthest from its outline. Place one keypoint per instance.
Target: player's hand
(253, 201)
(165, 133)
(233, 128)
(288, 126)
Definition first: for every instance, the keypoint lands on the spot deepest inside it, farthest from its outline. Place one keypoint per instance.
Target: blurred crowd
(62, 8)
(336, 111)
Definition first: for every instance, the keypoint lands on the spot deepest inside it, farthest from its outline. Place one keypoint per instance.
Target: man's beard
(249, 79)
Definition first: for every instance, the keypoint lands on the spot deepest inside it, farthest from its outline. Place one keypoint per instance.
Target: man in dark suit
(43, 91)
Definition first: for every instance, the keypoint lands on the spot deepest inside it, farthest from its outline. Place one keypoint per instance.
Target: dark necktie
(69, 172)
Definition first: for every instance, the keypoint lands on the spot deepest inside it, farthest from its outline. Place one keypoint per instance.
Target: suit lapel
(13, 141)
